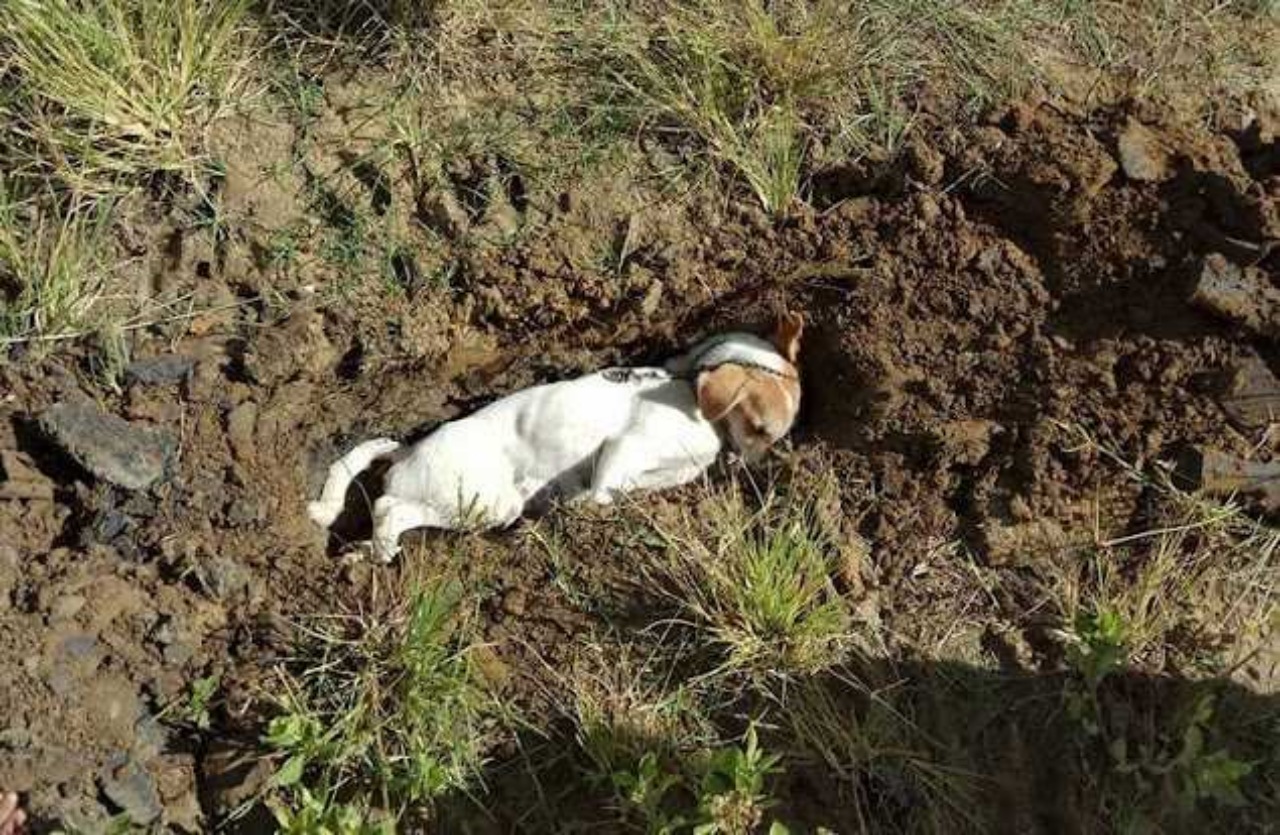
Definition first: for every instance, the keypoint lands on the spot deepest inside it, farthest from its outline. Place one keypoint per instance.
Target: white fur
(597, 434)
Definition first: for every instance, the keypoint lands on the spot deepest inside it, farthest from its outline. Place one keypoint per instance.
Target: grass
(886, 767)
(53, 269)
(651, 746)
(384, 715)
(116, 91)
(757, 580)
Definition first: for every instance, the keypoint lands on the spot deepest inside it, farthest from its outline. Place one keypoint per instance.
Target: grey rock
(131, 789)
(162, 370)
(113, 449)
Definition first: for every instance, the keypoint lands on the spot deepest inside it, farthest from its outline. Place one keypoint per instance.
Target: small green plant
(1099, 645)
(759, 581)
(732, 797)
(196, 709)
(387, 707)
(645, 792)
(312, 814)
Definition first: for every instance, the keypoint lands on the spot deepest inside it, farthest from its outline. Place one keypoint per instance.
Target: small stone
(131, 456)
(1142, 156)
(131, 789)
(157, 371)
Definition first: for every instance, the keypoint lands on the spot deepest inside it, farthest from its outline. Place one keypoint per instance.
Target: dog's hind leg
(327, 508)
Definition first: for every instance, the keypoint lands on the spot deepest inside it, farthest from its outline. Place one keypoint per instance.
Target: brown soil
(971, 305)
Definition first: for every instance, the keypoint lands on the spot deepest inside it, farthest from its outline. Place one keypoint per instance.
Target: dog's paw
(603, 497)
(384, 552)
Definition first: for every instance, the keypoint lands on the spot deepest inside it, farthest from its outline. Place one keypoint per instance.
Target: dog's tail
(329, 506)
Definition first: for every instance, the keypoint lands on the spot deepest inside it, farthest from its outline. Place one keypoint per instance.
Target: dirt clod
(1142, 155)
(1244, 295)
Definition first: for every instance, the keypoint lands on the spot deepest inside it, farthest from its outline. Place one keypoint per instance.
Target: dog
(596, 436)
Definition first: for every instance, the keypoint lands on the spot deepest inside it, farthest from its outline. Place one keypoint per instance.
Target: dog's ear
(786, 335)
(720, 389)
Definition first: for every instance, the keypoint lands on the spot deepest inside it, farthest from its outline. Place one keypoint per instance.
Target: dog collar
(737, 348)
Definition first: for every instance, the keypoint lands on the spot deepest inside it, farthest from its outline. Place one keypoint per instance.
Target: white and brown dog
(598, 435)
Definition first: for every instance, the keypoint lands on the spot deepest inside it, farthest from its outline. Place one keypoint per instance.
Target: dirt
(972, 307)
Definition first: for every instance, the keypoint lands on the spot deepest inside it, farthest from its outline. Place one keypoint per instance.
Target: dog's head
(756, 404)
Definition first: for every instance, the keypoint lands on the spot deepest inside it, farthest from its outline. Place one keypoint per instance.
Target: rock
(165, 369)
(1142, 155)
(19, 478)
(131, 789)
(1252, 398)
(1244, 295)
(131, 456)
(442, 210)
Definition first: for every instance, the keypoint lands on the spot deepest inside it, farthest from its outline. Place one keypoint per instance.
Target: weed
(732, 797)
(759, 581)
(386, 707)
(196, 711)
(116, 90)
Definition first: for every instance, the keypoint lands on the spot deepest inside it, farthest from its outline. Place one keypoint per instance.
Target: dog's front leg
(614, 466)
(393, 516)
